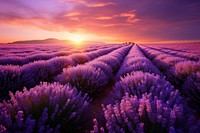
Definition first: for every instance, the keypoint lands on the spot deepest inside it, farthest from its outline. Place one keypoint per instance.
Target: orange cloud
(127, 15)
(109, 25)
(104, 18)
(100, 4)
(92, 3)
(131, 16)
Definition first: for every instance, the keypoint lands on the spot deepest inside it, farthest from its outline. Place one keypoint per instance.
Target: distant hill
(52, 41)
(46, 41)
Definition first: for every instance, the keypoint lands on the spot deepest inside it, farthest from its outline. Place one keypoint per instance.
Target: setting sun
(77, 38)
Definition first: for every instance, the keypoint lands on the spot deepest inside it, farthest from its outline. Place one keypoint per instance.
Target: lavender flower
(9, 79)
(114, 62)
(128, 61)
(139, 83)
(136, 61)
(134, 114)
(191, 89)
(171, 60)
(103, 66)
(34, 73)
(145, 67)
(182, 70)
(44, 108)
(185, 68)
(80, 58)
(115, 58)
(85, 78)
(2, 129)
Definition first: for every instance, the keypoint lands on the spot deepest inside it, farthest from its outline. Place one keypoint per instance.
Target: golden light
(77, 39)
(81, 39)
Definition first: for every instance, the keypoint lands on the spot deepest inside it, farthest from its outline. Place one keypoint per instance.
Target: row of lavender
(193, 48)
(95, 75)
(185, 53)
(180, 71)
(54, 107)
(11, 55)
(14, 78)
(145, 102)
(23, 50)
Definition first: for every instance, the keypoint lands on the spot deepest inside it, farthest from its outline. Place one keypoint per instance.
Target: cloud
(125, 19)
(92, 3)
(99, 4)
(131, 16)
(104, 18)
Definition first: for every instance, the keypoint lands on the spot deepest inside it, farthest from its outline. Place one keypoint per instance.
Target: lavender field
(102, 88)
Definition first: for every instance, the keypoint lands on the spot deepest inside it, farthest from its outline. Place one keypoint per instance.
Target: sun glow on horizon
(81, 39)
(77, 39)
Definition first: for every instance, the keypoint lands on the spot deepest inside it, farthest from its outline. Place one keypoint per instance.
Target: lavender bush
(136, 61)
(191, 88)
(100, 52)
(185, 68)
(36, 57)
(145, 114)
(103, 66)
(114, 62)
(182, 70)
(169, 61)
(151, 54)
(139, 83)
(44, 108)
(85, 78)
(58, 63)
(13, 60)
(33, 74)
(9, 79)
(80, 58)
(63, 53)
(145, 67)
(115, 58)
(132, 60)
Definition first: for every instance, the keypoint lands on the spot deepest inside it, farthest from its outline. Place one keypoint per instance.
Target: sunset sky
(100, 20)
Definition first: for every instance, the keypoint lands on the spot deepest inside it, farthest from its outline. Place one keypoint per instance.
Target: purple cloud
(132, 19)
